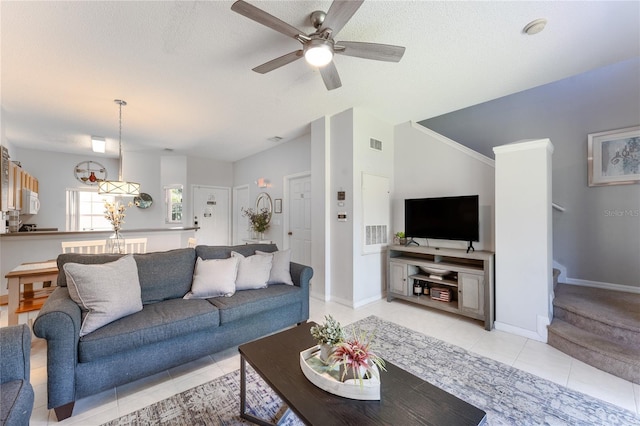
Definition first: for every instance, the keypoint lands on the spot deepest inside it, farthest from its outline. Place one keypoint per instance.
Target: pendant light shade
(119, 187)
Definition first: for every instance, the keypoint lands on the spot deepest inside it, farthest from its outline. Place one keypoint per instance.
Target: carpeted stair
(599, 327)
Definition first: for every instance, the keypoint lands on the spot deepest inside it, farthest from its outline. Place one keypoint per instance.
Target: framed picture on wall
(277, 206)
(613, 157)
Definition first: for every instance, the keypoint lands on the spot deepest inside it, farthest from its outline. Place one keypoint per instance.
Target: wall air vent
(375, 144)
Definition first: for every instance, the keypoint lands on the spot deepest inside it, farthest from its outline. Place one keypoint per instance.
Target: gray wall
(274, 164)
(595, 247)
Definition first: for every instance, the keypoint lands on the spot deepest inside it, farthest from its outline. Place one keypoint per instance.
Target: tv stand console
(448, 279)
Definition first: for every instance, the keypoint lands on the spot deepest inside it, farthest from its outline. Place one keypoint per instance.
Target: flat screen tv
(444, 218)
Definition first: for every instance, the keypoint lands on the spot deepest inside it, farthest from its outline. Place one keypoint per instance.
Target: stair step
(622, 360)
(599, 310)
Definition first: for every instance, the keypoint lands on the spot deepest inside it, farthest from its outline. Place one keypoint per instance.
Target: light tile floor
(529, 355)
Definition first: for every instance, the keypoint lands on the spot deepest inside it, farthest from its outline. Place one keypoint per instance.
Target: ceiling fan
(319, 47)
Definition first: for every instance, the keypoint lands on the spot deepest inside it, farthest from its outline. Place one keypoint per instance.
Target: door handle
(289, 233)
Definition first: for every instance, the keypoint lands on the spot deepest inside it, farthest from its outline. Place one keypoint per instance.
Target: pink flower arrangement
(356, 358)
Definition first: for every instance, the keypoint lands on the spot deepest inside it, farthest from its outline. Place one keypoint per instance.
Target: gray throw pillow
(214, 278)
(280, 271)
(253, 271)
(105, 292)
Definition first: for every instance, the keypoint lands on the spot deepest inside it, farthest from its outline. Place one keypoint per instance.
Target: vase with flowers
(328, 336)
(258, 220)
(114, 213)
(356, 358)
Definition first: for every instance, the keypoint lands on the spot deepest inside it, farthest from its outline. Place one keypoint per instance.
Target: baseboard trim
(507, 328)
(606, 286)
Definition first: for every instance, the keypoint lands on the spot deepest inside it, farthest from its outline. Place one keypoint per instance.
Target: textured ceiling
(185, 67)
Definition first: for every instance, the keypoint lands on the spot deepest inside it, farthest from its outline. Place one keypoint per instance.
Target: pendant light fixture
(119, 187)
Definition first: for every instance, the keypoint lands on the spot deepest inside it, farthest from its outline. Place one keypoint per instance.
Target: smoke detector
(534, 27)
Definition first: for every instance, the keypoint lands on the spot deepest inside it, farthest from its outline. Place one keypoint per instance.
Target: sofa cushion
(248, 303)
(280, 266)
(165, 275)
(104, 292)
(156, 322)
(213, 278)
(253, 271)
(162, 275)
(222, 252)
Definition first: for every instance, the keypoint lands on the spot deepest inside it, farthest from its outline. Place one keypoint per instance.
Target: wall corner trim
(524, 145)
(453, 144)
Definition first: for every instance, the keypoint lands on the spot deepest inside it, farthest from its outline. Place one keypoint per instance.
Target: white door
(240, 222)
(300, 219)
(211, 210)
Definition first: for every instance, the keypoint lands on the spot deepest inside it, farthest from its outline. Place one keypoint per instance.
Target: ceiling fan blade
(375, 51)
(330, 76)
(278, 62)
(264, 18)
(339, 14)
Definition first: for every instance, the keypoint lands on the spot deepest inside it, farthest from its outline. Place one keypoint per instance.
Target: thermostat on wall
(342, 216)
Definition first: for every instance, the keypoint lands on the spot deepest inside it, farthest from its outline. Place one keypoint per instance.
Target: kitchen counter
(124, 232)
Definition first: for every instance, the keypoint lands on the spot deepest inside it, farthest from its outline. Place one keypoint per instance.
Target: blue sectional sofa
(168, 331)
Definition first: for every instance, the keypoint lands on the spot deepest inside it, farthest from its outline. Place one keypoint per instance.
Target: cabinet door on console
(398, 278)
(471, 292)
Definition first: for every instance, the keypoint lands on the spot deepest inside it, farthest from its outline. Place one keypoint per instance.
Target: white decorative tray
(328, 379)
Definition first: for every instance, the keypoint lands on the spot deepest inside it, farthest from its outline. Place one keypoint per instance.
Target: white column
(524, 256)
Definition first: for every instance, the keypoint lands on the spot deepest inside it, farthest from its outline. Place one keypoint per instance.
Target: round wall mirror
(263, 201)
(143, 201)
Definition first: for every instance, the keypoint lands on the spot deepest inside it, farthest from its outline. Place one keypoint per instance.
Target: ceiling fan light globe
(318, 55)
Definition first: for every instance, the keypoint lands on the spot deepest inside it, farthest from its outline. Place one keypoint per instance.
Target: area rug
(508, 395)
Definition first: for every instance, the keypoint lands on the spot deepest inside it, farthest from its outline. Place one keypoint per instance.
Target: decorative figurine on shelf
(114, 213)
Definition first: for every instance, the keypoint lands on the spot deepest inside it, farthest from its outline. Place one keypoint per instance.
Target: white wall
(54, 172)
(356, 277)
(427, 164)
(274, 164)
(341, 240)
(320, 212)
(369, 268)
(524, 238)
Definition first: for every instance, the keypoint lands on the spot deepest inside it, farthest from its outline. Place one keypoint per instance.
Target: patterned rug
(508, 395)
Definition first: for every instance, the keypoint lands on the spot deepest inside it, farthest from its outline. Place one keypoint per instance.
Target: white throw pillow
(214, 278)
(280, 272)
(253, 271)
(105, 292)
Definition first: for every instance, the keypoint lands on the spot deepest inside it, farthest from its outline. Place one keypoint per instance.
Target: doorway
(297, 217)
(240, 222)
(211, 211)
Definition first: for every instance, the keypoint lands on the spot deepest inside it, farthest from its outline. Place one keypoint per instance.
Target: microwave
(30, 202)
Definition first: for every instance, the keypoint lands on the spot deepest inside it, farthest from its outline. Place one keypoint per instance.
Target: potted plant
(401, 238)
(357, 359)
(258, 221)
(328, 335)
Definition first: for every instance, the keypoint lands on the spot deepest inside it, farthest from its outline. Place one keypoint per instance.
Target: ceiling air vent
(375, 144)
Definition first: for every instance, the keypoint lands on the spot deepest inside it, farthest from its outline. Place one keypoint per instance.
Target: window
(173, 203)
(85, 210)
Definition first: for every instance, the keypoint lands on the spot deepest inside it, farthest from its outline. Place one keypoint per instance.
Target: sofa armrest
(15, 342)
(59, 323)
(301, 277)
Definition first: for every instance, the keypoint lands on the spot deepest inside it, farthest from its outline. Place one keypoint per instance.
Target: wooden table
(20, 282)
(404, 398)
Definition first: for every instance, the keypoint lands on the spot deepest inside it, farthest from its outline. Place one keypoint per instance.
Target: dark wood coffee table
(405, 398)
